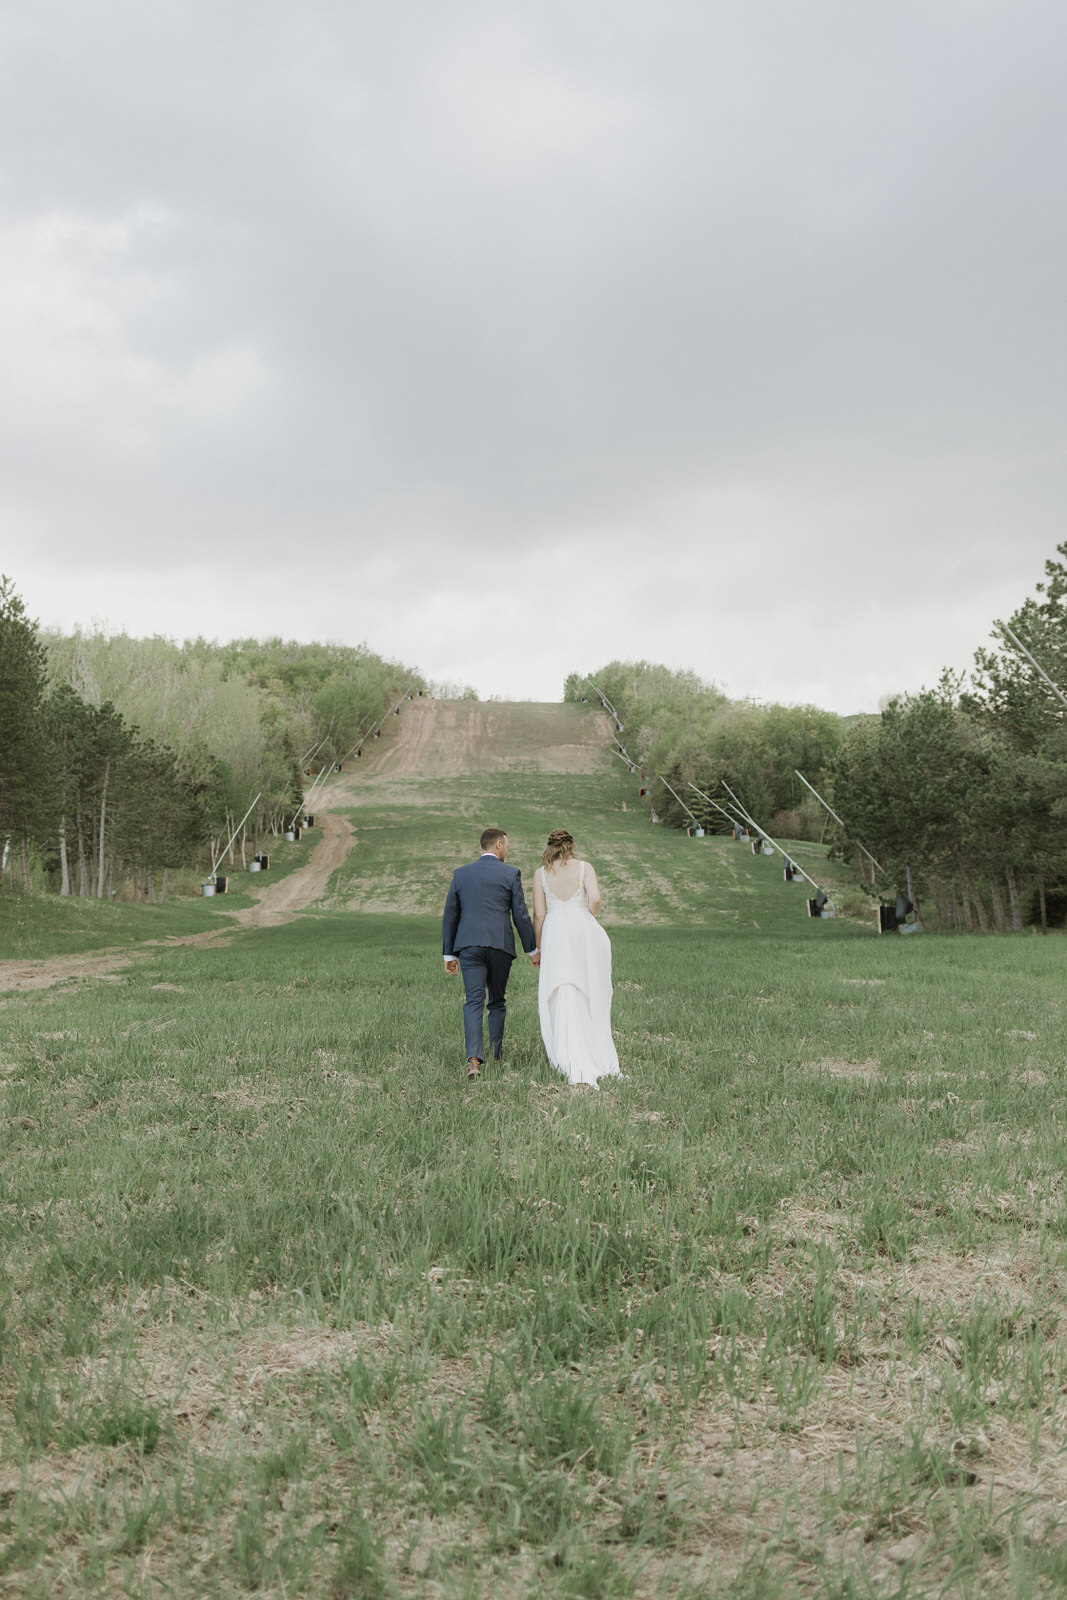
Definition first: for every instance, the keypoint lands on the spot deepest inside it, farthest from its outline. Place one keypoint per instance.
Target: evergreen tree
(23, 782)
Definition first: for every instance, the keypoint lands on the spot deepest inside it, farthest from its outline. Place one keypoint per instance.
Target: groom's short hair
(490, 837)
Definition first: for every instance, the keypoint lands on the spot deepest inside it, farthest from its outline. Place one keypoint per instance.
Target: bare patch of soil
(460, 738)
(25, 975)
(390, 892)
(56, 1481)
(208, 1377)
(866, 1071)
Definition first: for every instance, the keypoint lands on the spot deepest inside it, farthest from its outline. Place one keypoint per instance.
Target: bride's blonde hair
(560, 847)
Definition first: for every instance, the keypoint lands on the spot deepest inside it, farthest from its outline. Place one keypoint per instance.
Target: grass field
(287, 1309)
(35, 926)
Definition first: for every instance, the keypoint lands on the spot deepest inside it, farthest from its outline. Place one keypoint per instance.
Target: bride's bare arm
(539, 908)
(592, 888)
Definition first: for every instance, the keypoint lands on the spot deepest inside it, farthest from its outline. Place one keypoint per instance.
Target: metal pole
(678, 797)
(1014, 637)
(712, 802)
(746, 814)
(366, 735)
(316, 785)
(327, 771)
(315, 748)
(837, 819)
(740, 814)
(604, 701)
(361, 741)
(625, 755)
(233, 835)
(317, 782)
(765, 835)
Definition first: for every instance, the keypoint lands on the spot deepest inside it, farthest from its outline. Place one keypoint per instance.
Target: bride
(574, 988)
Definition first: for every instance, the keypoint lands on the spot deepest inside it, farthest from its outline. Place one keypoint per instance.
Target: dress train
(574, 988)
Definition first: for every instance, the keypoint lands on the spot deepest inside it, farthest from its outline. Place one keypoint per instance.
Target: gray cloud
(682, 329)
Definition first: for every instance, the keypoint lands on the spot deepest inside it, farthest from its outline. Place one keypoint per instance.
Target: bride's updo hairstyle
(560, 847)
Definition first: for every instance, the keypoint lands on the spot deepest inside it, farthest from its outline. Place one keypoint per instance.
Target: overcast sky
(512, 338)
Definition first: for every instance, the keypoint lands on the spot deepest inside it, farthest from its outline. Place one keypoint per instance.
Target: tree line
(678, 727)
(959, 792)
(123, 758)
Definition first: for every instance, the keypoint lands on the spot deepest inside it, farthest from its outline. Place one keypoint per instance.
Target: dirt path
(277, 903)
(56, 969)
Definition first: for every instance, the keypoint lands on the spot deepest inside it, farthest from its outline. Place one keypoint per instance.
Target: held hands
(452, 967)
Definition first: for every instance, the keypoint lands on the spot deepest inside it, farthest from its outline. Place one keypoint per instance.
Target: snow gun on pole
(313, 752)
(899, 916)
(679, 799)
(821, 897)
(361, 741)
(840, 824)
(605, 702)
(731, 820)
(233, 835)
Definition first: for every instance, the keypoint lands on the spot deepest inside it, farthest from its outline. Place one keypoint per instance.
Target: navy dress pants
(485, 973)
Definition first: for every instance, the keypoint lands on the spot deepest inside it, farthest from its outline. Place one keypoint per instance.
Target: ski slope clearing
(462, 738)
(420, 798)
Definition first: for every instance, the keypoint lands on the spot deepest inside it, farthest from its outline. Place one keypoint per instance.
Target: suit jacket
(484, 898)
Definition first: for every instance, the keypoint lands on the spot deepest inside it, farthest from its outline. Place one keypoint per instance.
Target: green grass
(288, 1309)
(651, 875)
(35, 926)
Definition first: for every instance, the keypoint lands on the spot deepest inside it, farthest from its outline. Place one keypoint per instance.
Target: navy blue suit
(484, 899)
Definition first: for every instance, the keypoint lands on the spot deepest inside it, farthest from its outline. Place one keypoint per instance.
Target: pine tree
(22, 685)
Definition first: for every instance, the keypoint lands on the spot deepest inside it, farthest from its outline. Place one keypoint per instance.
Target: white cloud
(726, 335)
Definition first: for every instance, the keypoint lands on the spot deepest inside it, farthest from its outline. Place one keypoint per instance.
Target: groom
(484, 898)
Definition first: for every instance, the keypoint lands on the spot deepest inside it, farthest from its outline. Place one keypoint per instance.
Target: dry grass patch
(913, 1447)
(1032, 1078)
(866, 1071)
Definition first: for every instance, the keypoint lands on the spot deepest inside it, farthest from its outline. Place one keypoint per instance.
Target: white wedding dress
(574, 987)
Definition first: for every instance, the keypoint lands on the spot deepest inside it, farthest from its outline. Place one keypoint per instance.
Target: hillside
(465, 738)
(391, 827)
(418, 799)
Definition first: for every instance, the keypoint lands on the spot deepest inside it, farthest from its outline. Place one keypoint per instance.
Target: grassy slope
(287, 1309)
(33, 927)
